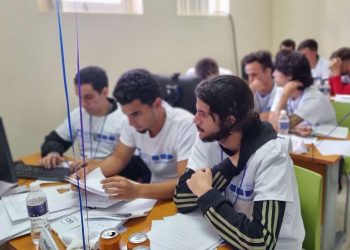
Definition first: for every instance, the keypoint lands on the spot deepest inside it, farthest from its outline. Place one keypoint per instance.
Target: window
(203, 7)
(94, 6)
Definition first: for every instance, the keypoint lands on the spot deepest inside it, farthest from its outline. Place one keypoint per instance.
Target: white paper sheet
(11, 229)
(183, 232)
(16, 204)
(96, 200)
(93, 182)
(342, 98)
(325, 130)
(131, 209)
(332, 147)
(6, 186)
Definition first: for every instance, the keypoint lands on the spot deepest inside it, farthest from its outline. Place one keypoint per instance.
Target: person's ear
(230, 120)
(157, 103)
(104, 91)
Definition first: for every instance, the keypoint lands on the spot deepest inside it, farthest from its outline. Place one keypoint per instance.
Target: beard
(223, 133)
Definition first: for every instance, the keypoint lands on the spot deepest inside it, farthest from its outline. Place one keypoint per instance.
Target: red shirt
(337, 87)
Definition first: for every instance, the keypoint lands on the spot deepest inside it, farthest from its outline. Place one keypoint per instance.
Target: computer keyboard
(36, 172)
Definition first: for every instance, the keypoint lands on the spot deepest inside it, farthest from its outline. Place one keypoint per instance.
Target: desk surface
(162, 208)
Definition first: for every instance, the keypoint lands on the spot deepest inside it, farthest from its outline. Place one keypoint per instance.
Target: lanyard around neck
(99, 137)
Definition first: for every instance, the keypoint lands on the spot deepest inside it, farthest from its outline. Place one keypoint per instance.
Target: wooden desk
(328, 167)
(162, 208)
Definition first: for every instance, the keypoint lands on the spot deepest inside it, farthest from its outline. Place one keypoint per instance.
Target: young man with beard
(251, 197)
(160, 134)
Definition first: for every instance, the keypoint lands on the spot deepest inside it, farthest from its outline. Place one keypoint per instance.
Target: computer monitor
(178, 90)
(7, 171)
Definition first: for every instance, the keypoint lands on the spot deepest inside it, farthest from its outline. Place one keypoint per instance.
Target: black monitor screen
(7, 172)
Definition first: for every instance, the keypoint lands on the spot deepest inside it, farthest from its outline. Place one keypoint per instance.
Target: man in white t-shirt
(251, 197)
(258, 68)
(101, 120)
(304, 103)
(319, 66)
(160, 134)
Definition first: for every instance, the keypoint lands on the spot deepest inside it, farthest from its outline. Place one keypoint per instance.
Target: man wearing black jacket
(251, 197)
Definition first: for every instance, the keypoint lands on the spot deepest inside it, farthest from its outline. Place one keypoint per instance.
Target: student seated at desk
(101, 123)
(304, 103)
(160, 134)
(251, 197)
(340, 71)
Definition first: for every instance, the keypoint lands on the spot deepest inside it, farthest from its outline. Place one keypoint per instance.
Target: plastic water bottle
(326, 88)
(283, 123)
(37, 210)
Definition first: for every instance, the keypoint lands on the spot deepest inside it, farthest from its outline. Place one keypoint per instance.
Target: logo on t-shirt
(243, 193)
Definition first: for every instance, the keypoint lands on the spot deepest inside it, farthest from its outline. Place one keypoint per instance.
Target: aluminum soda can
(138, 239)
(109, 240)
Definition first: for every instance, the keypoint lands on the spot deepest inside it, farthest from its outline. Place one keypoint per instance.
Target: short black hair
(228, 95)
(309, 44)
(343, 53)
(93, 75)
(288, 43)
(294, 64)
(206, 67)
(263, 57)
(136, 84)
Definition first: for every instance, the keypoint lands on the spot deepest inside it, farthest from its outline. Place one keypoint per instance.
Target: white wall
(32, 99)
(327, 21)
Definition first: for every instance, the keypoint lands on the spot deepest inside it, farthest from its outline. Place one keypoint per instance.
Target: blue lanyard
(240, 185)
(92, 156)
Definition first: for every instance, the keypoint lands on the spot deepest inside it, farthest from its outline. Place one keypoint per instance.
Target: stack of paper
(96, 196)
(125, 210)
(92, 182)
(183, 232)
(11, 229)
(59, 203)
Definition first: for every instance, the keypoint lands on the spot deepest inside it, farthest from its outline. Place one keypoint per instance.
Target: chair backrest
(310, 193)
(178, 90)
(341, 110)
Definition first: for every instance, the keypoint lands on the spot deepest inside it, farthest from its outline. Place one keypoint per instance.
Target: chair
(178, 90)
(341, 111)
(310, 194)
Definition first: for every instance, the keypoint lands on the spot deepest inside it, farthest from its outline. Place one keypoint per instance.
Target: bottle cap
(34, 186)
(283, 112)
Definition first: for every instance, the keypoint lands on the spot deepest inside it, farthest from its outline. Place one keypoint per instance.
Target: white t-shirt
(321, 71)
(313, 107)
(205, 154)
(171, 145)
(269, 175)
(101, 134)
(191, 72)
(269, 102)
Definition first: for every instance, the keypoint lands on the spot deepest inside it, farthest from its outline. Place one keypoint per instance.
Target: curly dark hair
(295, 65)
(136, 84)
(93, 75)
(228, 95)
